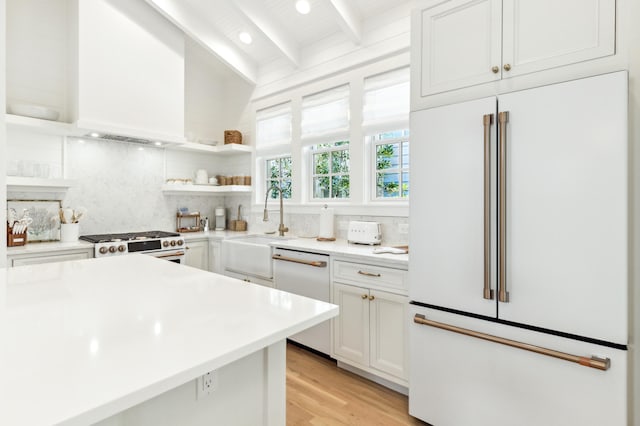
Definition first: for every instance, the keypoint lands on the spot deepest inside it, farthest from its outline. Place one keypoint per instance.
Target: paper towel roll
(326, 223)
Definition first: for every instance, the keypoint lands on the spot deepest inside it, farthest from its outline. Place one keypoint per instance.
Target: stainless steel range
(166, 245)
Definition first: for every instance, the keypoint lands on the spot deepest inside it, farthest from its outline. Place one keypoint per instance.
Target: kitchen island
(123, 341)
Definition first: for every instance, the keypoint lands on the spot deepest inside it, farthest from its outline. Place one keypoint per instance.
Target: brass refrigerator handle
(503, 294)
(316, 263)
(593, 361)
(487, 121)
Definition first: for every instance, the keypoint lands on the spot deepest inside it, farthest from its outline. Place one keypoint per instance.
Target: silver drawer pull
(369, 274)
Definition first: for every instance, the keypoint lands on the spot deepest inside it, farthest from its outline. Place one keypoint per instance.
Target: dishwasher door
(305, 274)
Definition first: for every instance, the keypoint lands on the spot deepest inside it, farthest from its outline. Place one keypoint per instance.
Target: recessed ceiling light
(158, 143)
(303, 6)
(94, 135)
(245, 37)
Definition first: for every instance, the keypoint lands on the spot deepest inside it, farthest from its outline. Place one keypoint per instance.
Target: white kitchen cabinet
(371, 331)
(197, 254)
(215, 262)
(49, 257)
(461, 43)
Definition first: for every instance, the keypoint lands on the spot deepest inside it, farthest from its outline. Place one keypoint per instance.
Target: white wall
(3, 186)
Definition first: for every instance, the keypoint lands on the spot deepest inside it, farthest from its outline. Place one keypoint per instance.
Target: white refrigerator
(519, 258)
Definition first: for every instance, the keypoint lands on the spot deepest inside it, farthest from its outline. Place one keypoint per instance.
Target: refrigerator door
(566, 207)
(455, 257)
(461, 380)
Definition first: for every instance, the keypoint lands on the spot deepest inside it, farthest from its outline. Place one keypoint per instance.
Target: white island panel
(99, 336)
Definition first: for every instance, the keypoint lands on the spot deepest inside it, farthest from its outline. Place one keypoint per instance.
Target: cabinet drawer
(370, 276)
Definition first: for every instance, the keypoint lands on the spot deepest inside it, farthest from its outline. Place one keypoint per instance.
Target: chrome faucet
(265, 217)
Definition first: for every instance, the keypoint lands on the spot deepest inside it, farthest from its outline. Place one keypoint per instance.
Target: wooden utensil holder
(16, 240)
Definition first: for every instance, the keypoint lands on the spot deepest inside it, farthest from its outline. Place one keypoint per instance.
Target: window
(278, 172)
(391, 164)
(330, 165)
(385, 108)
(386, 102)
(325, 129)
(273, 126)
(326, 114)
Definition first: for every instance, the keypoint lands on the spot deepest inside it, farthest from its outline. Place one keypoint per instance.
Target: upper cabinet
(462, 43)
(128, 63)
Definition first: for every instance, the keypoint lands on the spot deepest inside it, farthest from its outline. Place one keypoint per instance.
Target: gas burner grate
(128, 236)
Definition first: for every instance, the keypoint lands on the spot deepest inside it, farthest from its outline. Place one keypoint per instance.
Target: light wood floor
(320, 393)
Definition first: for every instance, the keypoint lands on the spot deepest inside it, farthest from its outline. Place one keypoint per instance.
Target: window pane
(405, 154)
(340, 186)
(321, 163)
(405, 184)
(273, 184)
(273, 169)
(387, 156)
(388, 185)
(285, 167)
(286, 188)
(340, 161)
(321, 187)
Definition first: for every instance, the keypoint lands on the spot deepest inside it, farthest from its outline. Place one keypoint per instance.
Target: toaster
(364, 233)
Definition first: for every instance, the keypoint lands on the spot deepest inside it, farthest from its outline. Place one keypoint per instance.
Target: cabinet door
(542, 34)
(51, 258)
(566, 200)
(457, 43)
(351, 327)
(197, 254)
(447, 262)
(388, 333)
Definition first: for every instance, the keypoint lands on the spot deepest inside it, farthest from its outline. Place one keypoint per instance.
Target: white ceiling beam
(201, 31)
(348, 19)
(259, 15)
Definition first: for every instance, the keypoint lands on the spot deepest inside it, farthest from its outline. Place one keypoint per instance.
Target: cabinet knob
(507, 67)
(495, 70)
(371, 297)
(364, 296)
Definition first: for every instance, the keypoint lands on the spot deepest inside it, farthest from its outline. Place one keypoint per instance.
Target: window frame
(373, 142)
(346, 146)
(267, 176)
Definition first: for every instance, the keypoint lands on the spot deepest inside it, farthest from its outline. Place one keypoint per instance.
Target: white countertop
(357, 252)
(50, 246)
(86, 339)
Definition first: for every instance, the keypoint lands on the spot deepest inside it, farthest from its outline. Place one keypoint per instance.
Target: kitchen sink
(249, 254)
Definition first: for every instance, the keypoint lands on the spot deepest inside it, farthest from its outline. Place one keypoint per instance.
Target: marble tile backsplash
(120, 185)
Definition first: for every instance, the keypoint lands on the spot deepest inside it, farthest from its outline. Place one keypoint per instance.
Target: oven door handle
(172, 254)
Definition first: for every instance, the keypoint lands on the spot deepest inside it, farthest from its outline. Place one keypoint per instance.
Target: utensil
(67, 215)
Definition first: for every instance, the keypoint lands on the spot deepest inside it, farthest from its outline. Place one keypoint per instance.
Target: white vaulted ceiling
(280, 34)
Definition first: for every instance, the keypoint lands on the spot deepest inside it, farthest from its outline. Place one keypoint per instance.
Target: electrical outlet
(206, 384)
(403, 228)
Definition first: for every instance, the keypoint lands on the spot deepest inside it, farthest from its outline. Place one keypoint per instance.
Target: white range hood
(128, 72)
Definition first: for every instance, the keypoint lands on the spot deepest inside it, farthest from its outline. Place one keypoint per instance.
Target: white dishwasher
(305, 274)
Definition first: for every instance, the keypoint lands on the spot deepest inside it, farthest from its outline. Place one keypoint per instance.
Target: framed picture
(45, 215)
